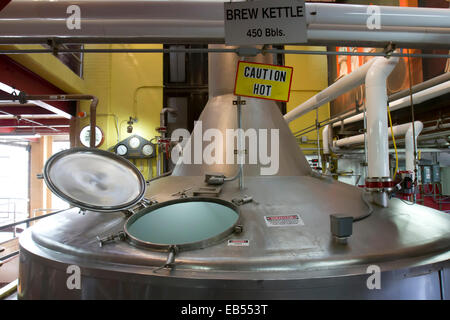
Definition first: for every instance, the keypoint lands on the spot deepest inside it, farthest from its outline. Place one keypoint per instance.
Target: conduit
(23, 97)
(376, 114)
(192, 21)
(418, 97)
(399, 130)
(346, 83)
(410, 143)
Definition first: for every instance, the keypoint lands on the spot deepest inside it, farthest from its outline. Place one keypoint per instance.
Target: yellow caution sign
(264, 81)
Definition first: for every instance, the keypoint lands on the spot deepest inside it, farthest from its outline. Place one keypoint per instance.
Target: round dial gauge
(85, 136)
(147, 150)
(121, 150)
(134, 142)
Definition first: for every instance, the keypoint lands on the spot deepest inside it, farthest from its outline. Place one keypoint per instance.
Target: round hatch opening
(189, 223)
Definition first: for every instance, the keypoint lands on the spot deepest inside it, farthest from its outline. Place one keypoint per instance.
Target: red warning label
(284, 220)
(238, 243)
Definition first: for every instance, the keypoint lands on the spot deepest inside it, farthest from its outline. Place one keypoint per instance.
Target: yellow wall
(48, 67)
(131, 84)
(127, 84)
(310, 77)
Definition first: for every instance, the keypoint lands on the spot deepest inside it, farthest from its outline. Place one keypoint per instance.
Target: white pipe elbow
(325, 142)
(377, 124)
(410, 141)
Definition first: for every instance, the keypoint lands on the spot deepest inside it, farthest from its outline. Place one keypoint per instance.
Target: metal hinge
(240, 201)
(120, 235)
(170, 262)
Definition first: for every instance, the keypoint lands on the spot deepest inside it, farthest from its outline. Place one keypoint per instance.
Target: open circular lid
(94, 179)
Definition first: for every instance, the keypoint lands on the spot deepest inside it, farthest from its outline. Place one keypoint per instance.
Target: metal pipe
(421, 86)
(241, 151)
(325, 141)
(405, 101)
(74, 97)
(338, 88)
(162, 123)
(206, 50)
(399, 130)
(410, 146)
(346, 14)
(376, 110)
(191, 21)
(6, 226)
(27, 120)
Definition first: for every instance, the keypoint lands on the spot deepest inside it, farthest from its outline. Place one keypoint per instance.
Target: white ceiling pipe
(361, 36)
(316, 13)
(399, 130)
(8, 89)
(417, 97)
(389, 15)
(376, 115)
(410, 143)
(338, 88)
(31, 116)
(421, 96)
(325, 140)
(203, 21)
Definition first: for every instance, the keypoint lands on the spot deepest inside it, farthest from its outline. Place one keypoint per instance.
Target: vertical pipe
(377, 122)
(411, 135)
(365, 141)
(241, 153)
(93, 119)
(413, 121)
(318, 140)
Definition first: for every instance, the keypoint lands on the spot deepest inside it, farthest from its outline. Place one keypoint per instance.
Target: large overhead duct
(376, 113)
(203, 22)
(405, 101)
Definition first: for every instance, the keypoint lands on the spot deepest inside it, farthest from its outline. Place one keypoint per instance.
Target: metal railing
(9, 207)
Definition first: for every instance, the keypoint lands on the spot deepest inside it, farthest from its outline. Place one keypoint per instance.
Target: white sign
(265, 22)
(284, 220)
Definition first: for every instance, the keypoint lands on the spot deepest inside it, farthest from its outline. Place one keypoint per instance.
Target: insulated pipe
(418, 97)
(163, 124)
(203, 22)
(338, 88)
(445, 77)
(325, 141)
(73, 97)
(376, 113)
(388, 15)
(410, 142)
(399, 130)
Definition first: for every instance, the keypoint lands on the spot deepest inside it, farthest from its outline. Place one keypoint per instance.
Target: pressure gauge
(147, 150)
(85, 136)
(134, 142)
(121, 150)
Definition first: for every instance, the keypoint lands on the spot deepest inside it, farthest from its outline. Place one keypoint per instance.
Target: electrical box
(425, 174)
(445, 180)
(436, 176)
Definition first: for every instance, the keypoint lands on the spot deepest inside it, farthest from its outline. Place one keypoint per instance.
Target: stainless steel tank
(278, 246)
